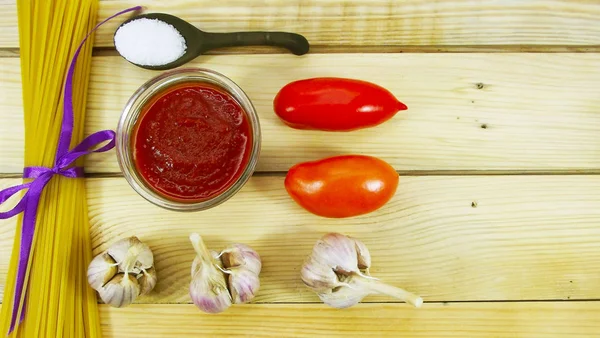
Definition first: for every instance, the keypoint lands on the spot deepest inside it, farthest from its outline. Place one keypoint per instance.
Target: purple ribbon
(42, 175)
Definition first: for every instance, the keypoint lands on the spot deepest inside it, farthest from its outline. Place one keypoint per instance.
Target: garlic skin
(364, 257)
(337, 271)
(319, 277)
(123, 272)
(222, 279)
(101, 270)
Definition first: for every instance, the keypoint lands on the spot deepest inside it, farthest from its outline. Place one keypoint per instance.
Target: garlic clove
(147, 281)
(343, 297)
(318, 276)
(243, 285)
(241, 255)
(101, 270)
(120, 291)
(210, 298)
(119, 249)
(338, 252)
(145, 257)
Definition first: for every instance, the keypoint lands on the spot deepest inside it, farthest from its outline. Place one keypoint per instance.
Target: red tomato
(335, 104)
(342, 186)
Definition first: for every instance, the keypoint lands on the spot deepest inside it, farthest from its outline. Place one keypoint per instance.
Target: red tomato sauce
(192, 142)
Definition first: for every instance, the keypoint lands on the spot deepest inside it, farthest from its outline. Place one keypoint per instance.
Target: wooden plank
(380, 22)
(12, 131)
(7, 233)
(445, 238)
(499, 319)
(510, 320)
(540, 111)
(9, 25)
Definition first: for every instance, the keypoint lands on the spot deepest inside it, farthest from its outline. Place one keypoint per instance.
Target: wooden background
(496, 223)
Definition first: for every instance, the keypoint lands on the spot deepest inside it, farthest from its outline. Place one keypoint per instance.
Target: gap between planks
(316, 49)
(450, 302)
(400, 172)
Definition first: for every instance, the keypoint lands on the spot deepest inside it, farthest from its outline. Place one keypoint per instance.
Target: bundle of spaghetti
(58, 302)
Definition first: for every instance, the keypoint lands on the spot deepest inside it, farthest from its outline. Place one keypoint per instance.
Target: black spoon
(199, 42)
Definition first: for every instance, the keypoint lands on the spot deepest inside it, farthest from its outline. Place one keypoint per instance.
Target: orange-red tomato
(342, 186)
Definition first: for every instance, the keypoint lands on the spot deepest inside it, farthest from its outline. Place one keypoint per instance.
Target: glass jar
(132, 113)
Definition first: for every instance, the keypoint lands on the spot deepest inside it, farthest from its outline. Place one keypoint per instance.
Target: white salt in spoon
(162, 41)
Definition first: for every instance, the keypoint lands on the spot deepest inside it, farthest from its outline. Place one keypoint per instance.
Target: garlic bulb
(337, 271)
(123, 272)
(222, 279)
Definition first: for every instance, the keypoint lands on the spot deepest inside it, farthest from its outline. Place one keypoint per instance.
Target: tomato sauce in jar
(192, 142)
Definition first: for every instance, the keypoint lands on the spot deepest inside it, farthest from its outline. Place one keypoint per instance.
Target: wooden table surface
(496, 222)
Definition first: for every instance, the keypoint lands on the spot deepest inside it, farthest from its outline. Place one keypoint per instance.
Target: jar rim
(132, 112)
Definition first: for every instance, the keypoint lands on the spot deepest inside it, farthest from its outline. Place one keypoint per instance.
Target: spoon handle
(295, 43)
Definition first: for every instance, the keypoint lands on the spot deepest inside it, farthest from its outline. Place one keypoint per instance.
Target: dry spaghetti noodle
(58, 302)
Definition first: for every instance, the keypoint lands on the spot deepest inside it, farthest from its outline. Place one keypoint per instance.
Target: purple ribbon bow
(41, 175)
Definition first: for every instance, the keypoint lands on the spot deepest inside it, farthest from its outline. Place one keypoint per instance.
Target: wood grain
(498, 320)
(466, 112)
(380, 22)
(445, 238)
